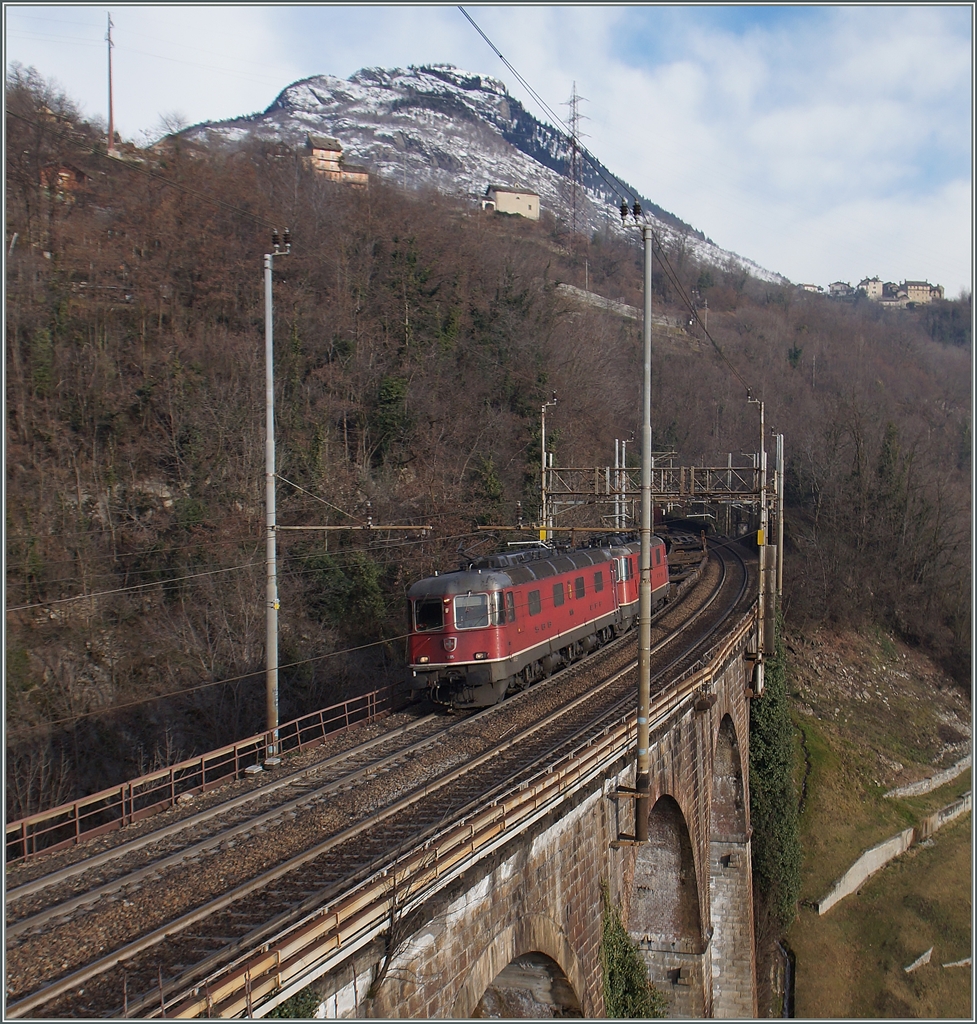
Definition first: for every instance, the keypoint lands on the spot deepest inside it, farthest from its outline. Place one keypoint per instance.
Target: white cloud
(790, 150)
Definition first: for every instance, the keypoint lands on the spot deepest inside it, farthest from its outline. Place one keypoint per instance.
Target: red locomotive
(508, 620)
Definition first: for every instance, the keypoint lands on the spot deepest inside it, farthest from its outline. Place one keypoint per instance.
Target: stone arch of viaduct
(686, 896)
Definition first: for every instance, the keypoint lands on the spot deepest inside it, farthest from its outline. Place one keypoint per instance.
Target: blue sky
(824, 142)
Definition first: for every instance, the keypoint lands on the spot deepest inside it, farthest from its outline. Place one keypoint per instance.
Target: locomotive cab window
(658, 556)
(578, 587)
(535, 607)
(558, 597)
(428, 615)
(598, 582)
(498, 608)
(471, 611)
(510, 606)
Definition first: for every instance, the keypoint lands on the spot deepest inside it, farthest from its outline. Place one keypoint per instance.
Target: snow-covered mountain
(437, 126)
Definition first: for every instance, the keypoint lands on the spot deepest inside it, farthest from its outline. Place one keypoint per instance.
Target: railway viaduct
(519, 921)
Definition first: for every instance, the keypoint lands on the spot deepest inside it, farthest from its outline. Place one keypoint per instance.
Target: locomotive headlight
(481, 655)
(423, 660)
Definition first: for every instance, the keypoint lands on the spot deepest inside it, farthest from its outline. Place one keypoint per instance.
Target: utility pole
(111, 141)
(616, 483)
(543, 517)
(271, 557)
(767, 583)
(779, 474)
(643, 768)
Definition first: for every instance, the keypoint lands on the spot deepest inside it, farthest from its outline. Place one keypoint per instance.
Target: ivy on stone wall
(303, 1005)
(628, 994)
(773, 800)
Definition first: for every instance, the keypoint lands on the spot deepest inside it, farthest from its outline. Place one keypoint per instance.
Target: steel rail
(131, 846)
(249, 825)
(84, 975)
(124, 849)
(154, 868)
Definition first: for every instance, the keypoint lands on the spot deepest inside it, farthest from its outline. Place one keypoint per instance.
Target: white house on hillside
(326, 158)
(872, 286)
(512, 200)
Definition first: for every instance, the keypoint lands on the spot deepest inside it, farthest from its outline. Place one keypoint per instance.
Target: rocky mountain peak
(439, 126)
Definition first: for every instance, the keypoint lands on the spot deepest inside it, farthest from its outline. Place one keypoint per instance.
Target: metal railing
(117, 806)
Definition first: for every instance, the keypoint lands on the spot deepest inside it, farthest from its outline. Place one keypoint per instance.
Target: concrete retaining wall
(933, 782)
(869, 862)
(930, 824)
(878, 856)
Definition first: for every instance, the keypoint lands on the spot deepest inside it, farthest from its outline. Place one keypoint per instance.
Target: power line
(616, 185)
(137, 586)
(298, 487)
(121, 554)
(76, 41)
(340, 560)
(137, 35)
(666, 266)
(201, 686)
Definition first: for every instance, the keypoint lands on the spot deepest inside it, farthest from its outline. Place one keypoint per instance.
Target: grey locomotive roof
(464, 581)
(475, 581)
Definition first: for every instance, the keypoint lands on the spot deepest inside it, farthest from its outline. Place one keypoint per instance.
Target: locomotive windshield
(471, 611)
(428, 615)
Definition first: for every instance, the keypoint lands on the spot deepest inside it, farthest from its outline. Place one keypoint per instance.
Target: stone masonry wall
(543, 896)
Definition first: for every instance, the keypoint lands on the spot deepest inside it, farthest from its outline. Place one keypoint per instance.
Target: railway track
(49, 897)
(144, 929)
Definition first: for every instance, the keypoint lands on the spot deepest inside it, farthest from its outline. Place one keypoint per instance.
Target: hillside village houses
(326, 157)
(503, 199)
(888, 294)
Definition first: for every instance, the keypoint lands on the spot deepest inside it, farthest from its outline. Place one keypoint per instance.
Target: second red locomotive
(507, 620)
